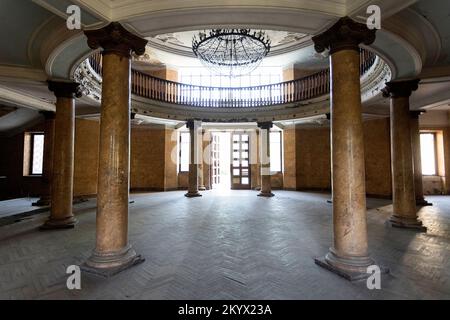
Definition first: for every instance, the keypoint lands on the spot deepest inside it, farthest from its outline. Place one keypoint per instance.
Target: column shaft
(61, 215)
(348, 166)
(348, 257)
(193, 159)
(113, 169)
(264, 137)
(404, 195)
(113, 253)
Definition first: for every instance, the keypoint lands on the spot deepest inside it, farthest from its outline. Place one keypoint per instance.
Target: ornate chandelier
(231, 52)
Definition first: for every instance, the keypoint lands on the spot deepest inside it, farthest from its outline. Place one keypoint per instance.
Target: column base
(423, 203)
(406, 223)
(193, 194)
(54, 224)
(42, 202)
(266, 194)
(350, 268)
(202, 188)
(111, 263)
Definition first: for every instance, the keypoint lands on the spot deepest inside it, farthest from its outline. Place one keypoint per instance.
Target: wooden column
(404, 195)
(47, 169)
(61, 215)
(349, 256)
(113, 253)
(194, 157)
(264, 143)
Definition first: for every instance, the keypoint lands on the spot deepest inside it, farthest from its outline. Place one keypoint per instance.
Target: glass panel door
(240, 167)
(215, 159)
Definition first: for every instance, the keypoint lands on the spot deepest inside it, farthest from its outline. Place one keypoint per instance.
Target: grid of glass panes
(37, 159)
(216, 159)
(200, 76)
(275, 151)
(240, 168)
(184, 152)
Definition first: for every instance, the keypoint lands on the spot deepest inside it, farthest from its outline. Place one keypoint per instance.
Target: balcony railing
(298, 90)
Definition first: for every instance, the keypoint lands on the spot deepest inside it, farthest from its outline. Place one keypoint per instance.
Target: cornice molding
(187, 52)
(22, 99)
(44, 4)
(125, 11)
(22, 73)
(56, 43)
(418, 32)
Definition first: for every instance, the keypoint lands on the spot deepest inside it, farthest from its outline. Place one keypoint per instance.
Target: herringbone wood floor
(227, 246)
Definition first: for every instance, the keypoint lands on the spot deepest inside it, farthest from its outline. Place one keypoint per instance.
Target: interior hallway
(228, 246)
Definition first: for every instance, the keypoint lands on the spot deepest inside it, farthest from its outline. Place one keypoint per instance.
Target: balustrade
(302, 89)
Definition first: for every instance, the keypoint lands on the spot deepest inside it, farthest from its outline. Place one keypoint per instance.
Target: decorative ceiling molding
(357, 9)
(418, 32)
(100, 18)
(118, 10)
(22, 99)
(22, 73)
(283, 42)
(435, 72)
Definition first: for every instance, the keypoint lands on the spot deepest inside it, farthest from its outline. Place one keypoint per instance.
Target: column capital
(115, 39)
(64, 89)
(396, 89)
(346, 34)
(48, 115)
(415, 114)
(265, 125)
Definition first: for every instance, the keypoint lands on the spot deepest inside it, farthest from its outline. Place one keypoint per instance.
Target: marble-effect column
(349, 256)
(113, 253)
(404, 196)
(195, 141)
(61, 215)
(47, 166)
(264, 137)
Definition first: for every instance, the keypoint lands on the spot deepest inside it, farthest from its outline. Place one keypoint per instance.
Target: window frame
(180, 148)
(280, 134)
(435, 151)
(31, 155)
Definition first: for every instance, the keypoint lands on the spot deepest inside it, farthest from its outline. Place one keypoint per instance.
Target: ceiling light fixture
(231, 52)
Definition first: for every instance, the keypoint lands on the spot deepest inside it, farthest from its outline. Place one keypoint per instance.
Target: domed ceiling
(288, 48)
(181, 42)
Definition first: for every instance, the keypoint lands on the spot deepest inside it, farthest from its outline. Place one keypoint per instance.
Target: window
(275, 151)
(184, 152)
(428, 153)
(203, 77)
(200, 76)
(33, 153)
